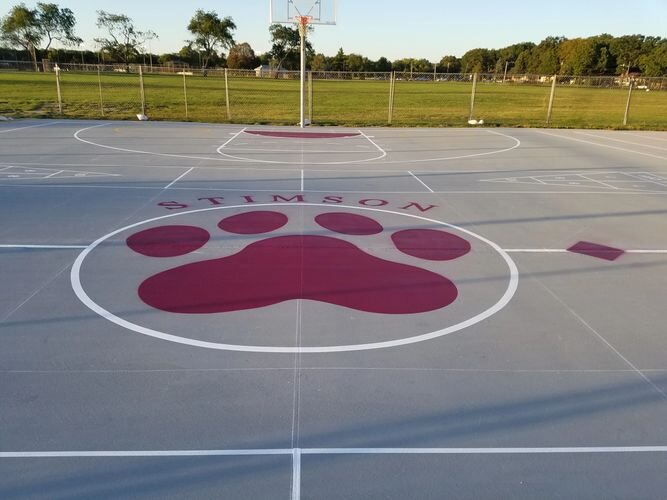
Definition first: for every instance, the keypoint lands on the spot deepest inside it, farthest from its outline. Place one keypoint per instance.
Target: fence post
(60, 97)
(141, 89)
(551, 100)
(392, 91)
(229, 111)
(310, 97)
(627, 104)
(472, 96)
(185, 96)
(99, 83)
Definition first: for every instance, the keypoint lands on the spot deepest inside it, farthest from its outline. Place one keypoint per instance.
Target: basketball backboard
(318, 11)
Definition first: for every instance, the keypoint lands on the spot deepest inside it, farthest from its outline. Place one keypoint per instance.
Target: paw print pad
(312, 267)
(294, 278)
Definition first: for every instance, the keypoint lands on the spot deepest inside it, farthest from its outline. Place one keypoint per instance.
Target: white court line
(384, 153)
(138, 151)
(297, 452)
(281, 162)
(30, 126)
(179, 177)
(351, 162)
(517, 143)
(621, 140)
(329, 191)
(75, 278)
(535, 250)
(420, 181)
(603, 339)
(234, 136)
(48, 247)
(601, 145)
(302, 181)
(599, 182)
(145, 453)
(508, 250)
(564, 250)
(484, 451)
(53, 174)
(296, 474)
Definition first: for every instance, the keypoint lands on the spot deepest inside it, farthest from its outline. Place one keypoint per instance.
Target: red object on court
(596, 250)
(284, 268)
(253, 222)
(351, 224)
(430, 244)
(168, 241)
(303, 135)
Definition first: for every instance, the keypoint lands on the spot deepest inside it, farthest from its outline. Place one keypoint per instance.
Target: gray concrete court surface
(130, 368)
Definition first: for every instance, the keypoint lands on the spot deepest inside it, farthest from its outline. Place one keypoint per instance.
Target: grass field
(346, 102)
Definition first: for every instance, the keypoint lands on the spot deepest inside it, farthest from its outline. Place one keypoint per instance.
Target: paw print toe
(168, 241)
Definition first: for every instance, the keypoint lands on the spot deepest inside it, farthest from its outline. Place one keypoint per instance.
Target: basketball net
(302, 22)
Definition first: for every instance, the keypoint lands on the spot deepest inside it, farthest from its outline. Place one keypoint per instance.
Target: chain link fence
(265, 96)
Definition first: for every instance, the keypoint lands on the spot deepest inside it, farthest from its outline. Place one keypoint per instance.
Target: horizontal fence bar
(652, 83)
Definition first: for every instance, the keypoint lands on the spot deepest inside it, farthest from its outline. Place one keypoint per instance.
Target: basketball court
(194, 310)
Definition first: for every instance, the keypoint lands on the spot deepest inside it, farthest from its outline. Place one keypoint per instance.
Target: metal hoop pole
(302, 103)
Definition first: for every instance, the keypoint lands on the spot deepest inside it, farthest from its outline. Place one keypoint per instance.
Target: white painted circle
(517, 143)
(75, 278)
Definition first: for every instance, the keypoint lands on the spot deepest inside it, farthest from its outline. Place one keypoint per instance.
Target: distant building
(265, 71)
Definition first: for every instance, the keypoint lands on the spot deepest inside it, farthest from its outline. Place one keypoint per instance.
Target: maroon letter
(216, 200)
(376, 202)
(418, 206)
(299, 198)
(172, 205)
(333, 199)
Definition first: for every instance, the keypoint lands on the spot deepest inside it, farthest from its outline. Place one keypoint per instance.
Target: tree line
(33, 31)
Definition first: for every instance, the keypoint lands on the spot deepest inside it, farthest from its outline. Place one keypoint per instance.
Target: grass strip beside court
(335, 102)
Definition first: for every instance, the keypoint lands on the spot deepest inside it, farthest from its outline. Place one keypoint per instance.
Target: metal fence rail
(334, 98)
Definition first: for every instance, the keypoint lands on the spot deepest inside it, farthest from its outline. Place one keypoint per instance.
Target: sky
(427, 29)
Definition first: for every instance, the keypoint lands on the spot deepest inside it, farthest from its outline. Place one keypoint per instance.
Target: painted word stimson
(297, 198)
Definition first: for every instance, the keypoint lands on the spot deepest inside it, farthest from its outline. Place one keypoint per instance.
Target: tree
(422, 66)
(509, 55)
(211, 32)
(57, 24)
(478, 60)
(577, 56)
(338, 62)
(241, 56)
(285, 48)
(21, 28)
(354, 62)
(654, 63)
(383, 65)
(451, 64)
(319, 63)
(544, 58)
(124, 40)
(627, 50)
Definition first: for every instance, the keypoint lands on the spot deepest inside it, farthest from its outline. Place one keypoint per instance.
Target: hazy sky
(394, 29)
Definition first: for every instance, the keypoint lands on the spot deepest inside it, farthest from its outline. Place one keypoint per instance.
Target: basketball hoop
(302, 22)
(303, 13)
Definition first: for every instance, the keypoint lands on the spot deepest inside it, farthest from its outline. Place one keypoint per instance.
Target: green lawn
(345, 102)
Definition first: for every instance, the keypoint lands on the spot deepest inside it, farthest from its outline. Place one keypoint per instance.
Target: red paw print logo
(312, 267)
(347, 280)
